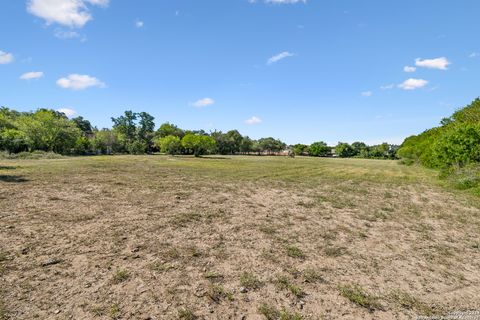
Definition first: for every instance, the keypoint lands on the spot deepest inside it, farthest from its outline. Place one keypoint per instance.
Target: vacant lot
(153, 237)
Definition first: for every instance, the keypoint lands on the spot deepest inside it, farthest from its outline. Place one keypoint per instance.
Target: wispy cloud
(139, 24)
(31, 75)
(367, 93)
(70, 13)
(387, 86)
(5, 57)
(66, 34)
(437, 63)
(79, 82)
(203, 102)
(474, 55)
(278, 57)
(412, 84)
(409, 69)
(253, 120)
(67, 111)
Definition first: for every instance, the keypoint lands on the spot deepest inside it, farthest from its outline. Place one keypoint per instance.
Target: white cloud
(139, 24)
(203, 102)
(412, 84)
(438, 63)
(387, 86)
(66, 34)
(367, 94)
(79, 82)
(253, 120)
(474, 55)
(31, 75)
(70, 13)
(67, 111)
(5, 57)
(409, 69)
(279, 57)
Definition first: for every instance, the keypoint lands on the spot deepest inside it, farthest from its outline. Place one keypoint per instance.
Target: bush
(459, 145)
(169, 145)
(136, 147)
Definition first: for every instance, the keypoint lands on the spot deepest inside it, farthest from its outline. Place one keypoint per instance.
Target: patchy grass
(407, 301)
(156, 234)
(356, 294)
(186, 314)
(272, 313)
(121, 276)
(284, 283)
(313, 276)
(217, 293)
(295, 252)
(250, 281)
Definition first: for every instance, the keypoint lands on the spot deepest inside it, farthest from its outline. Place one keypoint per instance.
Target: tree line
(453, 148)
(134, 133)
(455, 143)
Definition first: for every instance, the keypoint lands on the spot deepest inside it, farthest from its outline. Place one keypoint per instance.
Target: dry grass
(135, 237)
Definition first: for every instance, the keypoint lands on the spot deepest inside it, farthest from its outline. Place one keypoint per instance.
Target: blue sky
(301, 71)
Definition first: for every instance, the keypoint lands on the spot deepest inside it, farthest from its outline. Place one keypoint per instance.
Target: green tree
(168, 129)
(300, 149)
(48, 130)
(247, 145)
(319, 149)
(84, 125)
(136, 131)
(344, 150)
(13, 141)
(198, 144)
(106, 141)
(169, 145)
(126, 127)
(458, 146)
(271, 145)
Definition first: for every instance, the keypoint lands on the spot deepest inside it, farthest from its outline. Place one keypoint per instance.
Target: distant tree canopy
(134, 133)
(455, 143)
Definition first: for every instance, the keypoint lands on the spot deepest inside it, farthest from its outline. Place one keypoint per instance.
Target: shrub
(169, 145)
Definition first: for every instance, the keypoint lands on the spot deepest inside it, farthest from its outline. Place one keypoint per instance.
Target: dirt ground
(153, 237)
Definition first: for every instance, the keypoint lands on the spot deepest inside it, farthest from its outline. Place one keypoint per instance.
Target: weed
(406, 301)
(312, 276)
(115, 311)
(272, 313)
(97, 310)
(284, 283)
(186, 314)
(218, 293)
(121, 276)
(160, 267)
(333, 251)
(250, 281)
(295, 252)
(356, 294)
(269, 312)
(212, 275)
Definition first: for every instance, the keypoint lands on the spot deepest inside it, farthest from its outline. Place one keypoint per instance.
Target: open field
(154, 237)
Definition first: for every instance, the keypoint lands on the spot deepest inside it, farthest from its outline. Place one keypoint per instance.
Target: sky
(298, 70)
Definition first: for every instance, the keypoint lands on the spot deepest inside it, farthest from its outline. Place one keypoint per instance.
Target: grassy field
(154, 237)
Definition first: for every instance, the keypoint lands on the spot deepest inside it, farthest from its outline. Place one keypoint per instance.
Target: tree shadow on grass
(213, 158)
(7, 168)
(15, 179)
